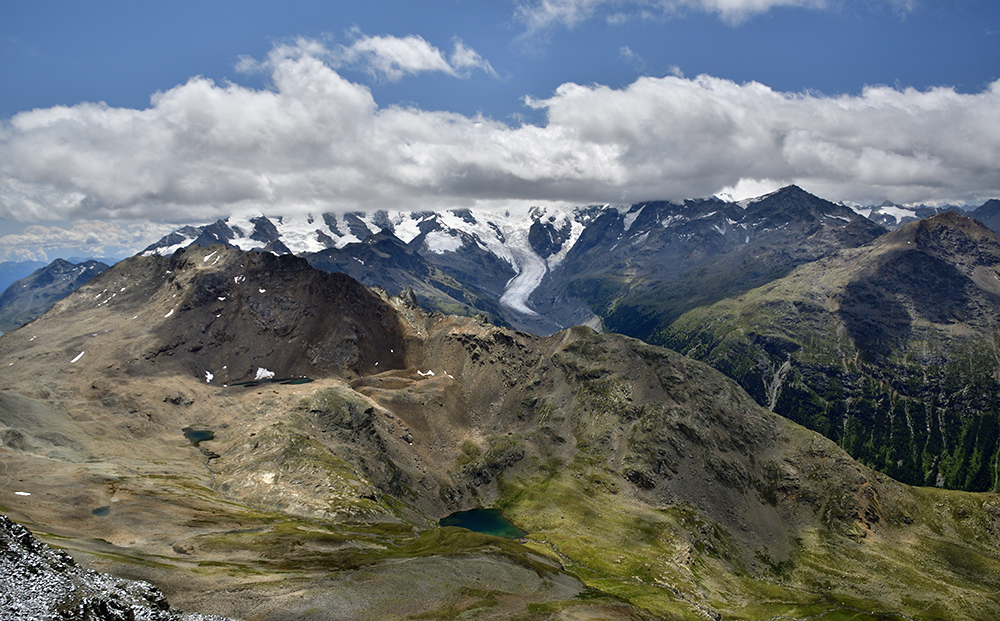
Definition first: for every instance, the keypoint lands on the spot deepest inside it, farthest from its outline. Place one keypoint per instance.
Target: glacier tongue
(532, 270)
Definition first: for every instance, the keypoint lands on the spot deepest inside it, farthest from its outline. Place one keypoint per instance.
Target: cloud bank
(85, 238)
(315, 141)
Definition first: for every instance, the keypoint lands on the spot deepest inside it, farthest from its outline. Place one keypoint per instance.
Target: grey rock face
(37, 582)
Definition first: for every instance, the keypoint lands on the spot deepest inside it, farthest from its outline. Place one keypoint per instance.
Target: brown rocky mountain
(648, 484)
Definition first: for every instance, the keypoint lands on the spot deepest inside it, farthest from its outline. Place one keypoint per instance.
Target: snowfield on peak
(506, 235)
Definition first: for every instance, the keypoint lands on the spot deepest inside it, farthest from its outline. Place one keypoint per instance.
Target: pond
(102, 511)
(196, 436)
(486, 521)
(286, 381)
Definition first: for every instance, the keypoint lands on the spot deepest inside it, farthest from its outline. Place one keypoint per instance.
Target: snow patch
(670, 220)
(212, 254)
(896, 212)
(209, 377)
(22, 493)
(630, 218)
(440, 242)
(263, 374)
(78, 356)
(422, 374)
(169, 314)
(405, 227)
(262, 290)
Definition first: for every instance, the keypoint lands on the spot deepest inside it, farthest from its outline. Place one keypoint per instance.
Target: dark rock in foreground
(37, 582)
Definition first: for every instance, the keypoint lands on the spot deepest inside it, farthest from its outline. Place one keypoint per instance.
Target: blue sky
(64, 53)
(149, 114)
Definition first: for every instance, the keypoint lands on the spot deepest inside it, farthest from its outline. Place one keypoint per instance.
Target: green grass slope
(892, 350)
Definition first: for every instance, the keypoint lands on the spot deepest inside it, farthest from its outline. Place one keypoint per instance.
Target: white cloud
(393, 58)
(317, 142)
(537, 15)
(84, 238)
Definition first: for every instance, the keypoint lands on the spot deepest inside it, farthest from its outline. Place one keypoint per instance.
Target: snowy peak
(469, 262)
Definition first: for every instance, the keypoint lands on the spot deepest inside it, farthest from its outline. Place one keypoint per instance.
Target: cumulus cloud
(537, 15)
(393, 58)
(316, 141)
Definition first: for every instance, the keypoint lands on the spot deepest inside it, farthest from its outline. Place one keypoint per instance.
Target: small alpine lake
(197, 436)
(486, 521)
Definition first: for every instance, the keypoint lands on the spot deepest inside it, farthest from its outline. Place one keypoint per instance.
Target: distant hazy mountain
(989, 214)
(16, 270)
(29, 297)
(893, 216)
(889, 349)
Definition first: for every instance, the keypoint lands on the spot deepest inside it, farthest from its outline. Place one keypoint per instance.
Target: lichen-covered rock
(37, 582)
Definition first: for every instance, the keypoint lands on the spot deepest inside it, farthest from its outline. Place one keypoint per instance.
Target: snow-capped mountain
(892, 216)
(547, 268)
(456, 261)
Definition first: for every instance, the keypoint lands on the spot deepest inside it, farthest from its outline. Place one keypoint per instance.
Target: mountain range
(638, 269)
(266, 440)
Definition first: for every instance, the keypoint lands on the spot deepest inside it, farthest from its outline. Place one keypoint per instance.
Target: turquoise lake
(486, 521)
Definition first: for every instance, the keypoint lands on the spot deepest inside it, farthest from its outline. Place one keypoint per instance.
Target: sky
(121, 120)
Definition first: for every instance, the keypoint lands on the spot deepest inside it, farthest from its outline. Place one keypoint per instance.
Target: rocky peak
(949, 234)
(223, 313)
(792, 203)
(989, 214)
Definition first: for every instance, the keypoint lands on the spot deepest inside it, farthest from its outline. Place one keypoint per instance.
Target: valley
(648, 485)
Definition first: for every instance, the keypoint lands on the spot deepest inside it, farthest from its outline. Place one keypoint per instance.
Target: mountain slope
(641, 269)
(889, 349)
(650, 486)
(989, 214)
(34, 294)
